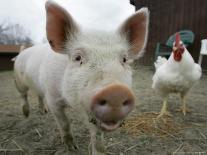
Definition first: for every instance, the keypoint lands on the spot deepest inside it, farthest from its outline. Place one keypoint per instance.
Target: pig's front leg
(58, 110)
(42, 105)
(97, 145)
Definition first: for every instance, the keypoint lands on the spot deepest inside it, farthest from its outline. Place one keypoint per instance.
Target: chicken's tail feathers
(199, 70)
(159, 62)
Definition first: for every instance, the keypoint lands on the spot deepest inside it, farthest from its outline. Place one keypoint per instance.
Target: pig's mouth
(106, 125)
(109, 126)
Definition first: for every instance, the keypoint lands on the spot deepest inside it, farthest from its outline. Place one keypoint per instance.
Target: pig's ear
(60, 26)
(135, 29)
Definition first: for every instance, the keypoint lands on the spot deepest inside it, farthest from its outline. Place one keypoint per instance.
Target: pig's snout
(111, 105)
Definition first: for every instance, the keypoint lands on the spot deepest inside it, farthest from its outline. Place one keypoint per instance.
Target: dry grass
(146, 123)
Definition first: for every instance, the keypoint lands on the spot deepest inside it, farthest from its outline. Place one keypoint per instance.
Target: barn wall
(169, 16)
(7, 52)
(5, 61)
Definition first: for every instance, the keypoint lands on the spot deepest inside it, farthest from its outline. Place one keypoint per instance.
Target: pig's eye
(78, 58)
(124, 59)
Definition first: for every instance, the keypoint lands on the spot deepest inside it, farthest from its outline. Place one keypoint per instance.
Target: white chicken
(176, 75)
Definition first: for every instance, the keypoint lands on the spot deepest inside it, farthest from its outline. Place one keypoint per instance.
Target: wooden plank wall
(169, 16)
(7, 52)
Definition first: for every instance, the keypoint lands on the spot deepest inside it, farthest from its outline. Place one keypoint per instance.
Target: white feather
(160, 61)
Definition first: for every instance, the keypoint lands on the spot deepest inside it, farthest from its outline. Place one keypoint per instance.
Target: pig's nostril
(102, 102)
(126, 103)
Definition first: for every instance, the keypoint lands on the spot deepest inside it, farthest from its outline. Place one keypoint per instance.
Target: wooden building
(169, 16)
(7, 52)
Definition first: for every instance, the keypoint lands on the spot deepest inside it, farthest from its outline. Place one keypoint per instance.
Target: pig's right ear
(135, 29)
(60, 26)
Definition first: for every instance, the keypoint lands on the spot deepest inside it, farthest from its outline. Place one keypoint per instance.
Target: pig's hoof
(101, 148)
(70, 144)
(25, 110)
(98, 153)
(43, 109)
(71, 147)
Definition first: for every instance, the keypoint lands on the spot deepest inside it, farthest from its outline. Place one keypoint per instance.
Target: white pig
(86, 70)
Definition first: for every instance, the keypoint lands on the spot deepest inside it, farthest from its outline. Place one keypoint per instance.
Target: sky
(93, 14)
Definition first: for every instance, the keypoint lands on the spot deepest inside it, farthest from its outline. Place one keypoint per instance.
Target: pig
(87, 70)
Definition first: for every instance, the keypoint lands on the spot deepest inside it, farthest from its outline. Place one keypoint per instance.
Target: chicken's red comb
(177, 39)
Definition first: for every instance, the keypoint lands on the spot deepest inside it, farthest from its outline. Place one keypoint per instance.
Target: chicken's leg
(164, 110)
(184, 105)
(183, 108)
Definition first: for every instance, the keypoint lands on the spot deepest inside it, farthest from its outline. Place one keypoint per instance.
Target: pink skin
(111, 105)
(178, 48)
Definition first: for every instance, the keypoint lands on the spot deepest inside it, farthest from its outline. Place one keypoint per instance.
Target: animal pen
(168, 17)
(141, 133)
(7, 53)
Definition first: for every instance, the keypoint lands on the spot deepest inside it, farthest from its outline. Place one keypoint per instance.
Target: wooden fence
(169, 16)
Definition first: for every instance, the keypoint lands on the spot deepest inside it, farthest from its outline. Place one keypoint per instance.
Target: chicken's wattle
(177, 56)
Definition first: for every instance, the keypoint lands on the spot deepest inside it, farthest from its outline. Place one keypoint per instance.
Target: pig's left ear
(135, 29)
(60, 26)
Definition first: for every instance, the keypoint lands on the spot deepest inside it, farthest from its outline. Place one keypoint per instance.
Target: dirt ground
(140, 134)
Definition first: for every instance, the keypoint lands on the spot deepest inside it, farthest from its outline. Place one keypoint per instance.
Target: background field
(140, 134)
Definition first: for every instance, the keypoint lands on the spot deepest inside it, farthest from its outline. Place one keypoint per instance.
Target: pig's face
(97, 61)
(98, 78)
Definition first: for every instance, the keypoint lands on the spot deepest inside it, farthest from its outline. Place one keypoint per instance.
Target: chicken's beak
(175, 48)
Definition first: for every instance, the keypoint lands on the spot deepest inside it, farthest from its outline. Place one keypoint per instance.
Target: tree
(13, 34)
